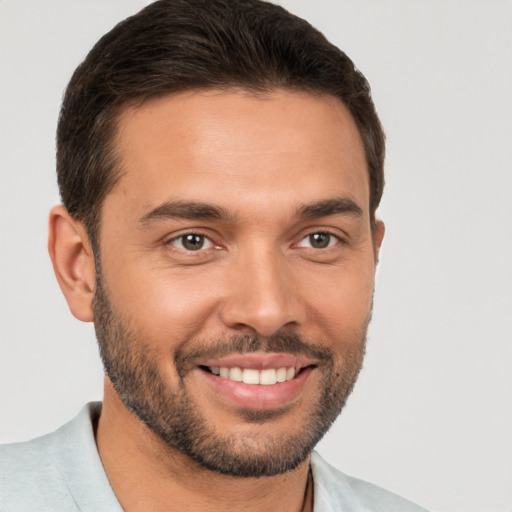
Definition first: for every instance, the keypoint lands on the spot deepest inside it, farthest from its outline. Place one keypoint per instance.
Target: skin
(260, 159)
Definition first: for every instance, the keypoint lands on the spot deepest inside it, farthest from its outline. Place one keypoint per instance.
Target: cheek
(168, 308)
(341, 302)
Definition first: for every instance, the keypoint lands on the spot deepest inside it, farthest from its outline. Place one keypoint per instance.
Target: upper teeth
(252, 376)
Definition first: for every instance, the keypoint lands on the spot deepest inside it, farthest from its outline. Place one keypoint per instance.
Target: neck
(146, 474)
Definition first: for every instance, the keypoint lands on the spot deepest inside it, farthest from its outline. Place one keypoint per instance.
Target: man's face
(237, 270)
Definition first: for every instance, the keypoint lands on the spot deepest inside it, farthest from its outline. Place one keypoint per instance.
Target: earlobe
(73, 262)
(378, 235)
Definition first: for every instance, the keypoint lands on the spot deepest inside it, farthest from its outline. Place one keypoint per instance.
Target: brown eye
(320, 240)
(191, 242)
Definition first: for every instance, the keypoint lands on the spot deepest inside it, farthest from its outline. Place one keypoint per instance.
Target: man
(220, 166)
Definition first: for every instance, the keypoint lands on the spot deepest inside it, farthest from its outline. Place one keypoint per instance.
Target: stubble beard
(172, 415)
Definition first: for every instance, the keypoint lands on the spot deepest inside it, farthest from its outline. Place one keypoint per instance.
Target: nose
(263, 295)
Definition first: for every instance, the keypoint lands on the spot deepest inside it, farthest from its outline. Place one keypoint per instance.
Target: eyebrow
(330, 207)
(188, 210)
(192, 210)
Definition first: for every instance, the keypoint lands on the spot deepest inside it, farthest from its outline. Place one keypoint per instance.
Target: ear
(378, 235)
(73, 262)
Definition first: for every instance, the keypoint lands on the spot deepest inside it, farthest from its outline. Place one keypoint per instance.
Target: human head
(178, 45)
(244, 78)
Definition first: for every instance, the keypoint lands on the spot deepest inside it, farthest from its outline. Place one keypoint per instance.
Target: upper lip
(258, 361)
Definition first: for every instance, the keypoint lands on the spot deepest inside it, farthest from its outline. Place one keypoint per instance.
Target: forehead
(231, 146)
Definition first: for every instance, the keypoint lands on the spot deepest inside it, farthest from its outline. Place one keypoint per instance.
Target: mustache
(289, 343)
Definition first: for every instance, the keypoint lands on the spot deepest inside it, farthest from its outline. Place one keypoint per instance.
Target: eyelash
(183, 237)
(332, 240)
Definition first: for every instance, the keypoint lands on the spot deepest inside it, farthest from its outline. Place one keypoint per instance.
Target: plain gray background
(431, 416)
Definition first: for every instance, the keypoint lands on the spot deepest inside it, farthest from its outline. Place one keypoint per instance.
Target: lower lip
(258, 396)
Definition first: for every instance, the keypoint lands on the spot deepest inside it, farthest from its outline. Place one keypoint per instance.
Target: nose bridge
(262, 294)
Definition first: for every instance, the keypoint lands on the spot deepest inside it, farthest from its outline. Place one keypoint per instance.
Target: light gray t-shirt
(62, 472)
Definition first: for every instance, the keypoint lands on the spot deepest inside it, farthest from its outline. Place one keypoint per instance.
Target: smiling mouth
(257, 381)
(253, 376)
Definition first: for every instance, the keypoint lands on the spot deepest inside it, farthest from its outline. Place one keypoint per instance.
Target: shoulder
(55, 471)
(28, 470)
(336, 491)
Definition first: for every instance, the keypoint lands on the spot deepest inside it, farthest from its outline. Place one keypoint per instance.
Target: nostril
(261, 303)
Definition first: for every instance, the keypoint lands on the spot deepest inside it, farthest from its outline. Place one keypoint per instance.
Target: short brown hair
(177, 45)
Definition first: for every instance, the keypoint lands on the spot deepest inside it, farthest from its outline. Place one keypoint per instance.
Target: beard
(169, 412)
